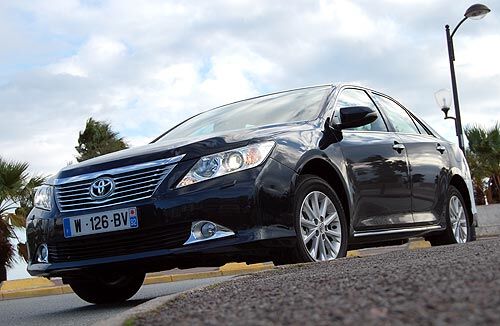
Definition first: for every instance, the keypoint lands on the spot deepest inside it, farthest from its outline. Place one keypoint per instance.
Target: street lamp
(475, 12)
(443, 100)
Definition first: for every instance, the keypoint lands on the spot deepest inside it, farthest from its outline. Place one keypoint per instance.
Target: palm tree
(484, 153)
(478, 175)
(16, 198)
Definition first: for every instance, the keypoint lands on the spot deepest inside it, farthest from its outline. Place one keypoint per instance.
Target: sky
(144, 66)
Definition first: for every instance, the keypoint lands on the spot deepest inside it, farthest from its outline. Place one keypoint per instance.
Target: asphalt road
(68, 309)
(447, 285)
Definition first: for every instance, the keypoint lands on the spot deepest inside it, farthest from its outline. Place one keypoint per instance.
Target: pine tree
(98, 139)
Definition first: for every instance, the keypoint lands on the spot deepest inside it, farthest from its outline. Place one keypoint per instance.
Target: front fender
(460, 167)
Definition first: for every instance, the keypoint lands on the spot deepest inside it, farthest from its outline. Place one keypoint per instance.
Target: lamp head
(477, 11)
(443, 99)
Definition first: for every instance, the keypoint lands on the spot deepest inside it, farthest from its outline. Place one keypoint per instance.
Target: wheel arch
(327, 171)
(458, 182)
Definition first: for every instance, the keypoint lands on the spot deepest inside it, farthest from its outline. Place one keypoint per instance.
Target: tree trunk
(496, 177)
(489, 196)
(478, 193)
(495, 189)
(3, 274)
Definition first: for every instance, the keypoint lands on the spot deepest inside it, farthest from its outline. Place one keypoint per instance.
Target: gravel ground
(448, 285)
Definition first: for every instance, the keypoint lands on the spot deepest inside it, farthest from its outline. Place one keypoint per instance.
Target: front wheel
(320, 224)
(107, 288)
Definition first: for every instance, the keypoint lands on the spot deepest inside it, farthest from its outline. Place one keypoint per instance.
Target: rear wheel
(107, 288)
(458, 226)
(320, 224)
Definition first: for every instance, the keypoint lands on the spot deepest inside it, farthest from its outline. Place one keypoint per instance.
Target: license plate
(109, 221)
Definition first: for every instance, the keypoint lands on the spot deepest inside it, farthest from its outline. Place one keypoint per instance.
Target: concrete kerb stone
(28, 283)
(488, 220)
(37, 292)
(21, 288)
(418, 244)
(184, 277)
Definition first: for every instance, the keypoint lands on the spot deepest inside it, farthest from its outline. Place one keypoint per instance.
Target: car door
(428, 161)
(377, 169)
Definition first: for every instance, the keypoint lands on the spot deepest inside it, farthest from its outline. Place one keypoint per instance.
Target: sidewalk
(488, 220)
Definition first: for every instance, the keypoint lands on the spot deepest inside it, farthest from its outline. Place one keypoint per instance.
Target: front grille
(132, 183)
(119, 243)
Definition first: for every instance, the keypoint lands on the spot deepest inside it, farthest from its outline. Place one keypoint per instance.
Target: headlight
(216, 165)
(43, 197)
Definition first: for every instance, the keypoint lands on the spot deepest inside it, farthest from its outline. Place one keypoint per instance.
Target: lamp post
(476, 12)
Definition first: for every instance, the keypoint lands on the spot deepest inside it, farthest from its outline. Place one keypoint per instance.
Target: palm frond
(13, 177)
(16, 220)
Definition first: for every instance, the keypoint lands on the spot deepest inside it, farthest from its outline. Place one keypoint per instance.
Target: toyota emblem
(102, 188)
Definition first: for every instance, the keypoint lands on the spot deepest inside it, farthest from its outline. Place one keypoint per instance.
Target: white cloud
(144, 67)
(477, 57)
(351, 21)
(99, 55)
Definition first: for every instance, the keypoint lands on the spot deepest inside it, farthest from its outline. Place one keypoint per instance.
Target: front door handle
(440, 148)
(398, 147)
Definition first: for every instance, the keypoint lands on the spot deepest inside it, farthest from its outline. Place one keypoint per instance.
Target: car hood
(191, 148)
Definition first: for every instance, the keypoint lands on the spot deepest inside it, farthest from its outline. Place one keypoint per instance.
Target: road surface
(447, 285)
(68, 309)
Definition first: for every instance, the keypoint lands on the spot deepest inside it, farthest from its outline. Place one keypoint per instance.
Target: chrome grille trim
(120, 170)
(75, 187)
(147, 177)
(132, 183)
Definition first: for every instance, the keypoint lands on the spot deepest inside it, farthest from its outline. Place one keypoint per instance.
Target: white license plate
(109, 221)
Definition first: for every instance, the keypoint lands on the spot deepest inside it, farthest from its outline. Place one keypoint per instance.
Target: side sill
(400, 230)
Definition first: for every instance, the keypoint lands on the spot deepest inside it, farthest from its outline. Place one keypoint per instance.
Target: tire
(455, 207)
(318, 238)
(108, 288)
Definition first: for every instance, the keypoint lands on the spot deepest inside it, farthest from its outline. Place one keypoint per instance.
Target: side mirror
(356, 116)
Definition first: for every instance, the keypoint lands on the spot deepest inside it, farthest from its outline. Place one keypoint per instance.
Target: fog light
(208, 229)
(42, 255)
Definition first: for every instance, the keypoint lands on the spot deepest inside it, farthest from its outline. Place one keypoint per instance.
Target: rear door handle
(440, 148)
(398, 147)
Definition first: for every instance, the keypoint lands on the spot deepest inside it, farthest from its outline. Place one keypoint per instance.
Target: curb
(488, 231)
(46, 287)
(39, 292)
(418, 244)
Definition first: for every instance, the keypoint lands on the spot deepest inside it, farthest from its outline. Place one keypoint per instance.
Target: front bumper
(254, 245)
(255, 204)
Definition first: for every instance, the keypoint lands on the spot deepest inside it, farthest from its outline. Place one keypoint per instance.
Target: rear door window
(423, 129)
(399, 118)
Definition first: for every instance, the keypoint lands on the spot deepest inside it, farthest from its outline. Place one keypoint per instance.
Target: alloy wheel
(458, 219)
(320, 226)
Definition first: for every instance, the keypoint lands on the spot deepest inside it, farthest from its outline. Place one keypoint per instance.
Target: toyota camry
(294, 176)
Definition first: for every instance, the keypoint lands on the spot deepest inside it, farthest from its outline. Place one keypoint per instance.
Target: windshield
(292, 106)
